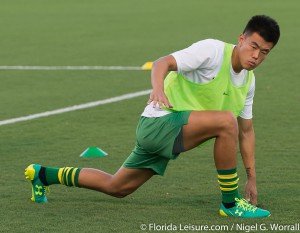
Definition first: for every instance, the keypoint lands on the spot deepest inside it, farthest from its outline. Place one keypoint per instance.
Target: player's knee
(118, 195)
(119, 192)
(229, 123)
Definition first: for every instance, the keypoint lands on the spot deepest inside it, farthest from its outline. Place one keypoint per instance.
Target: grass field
(129, 33)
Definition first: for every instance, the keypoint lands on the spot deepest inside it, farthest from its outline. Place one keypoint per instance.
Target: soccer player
(199, 93)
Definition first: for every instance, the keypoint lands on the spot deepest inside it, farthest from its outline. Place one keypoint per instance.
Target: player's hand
(251, 191)
(159, 97)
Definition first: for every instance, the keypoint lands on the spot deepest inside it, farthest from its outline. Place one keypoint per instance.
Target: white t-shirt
(200, 63)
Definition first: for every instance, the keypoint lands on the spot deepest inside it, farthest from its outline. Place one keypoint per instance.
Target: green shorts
(155, 137)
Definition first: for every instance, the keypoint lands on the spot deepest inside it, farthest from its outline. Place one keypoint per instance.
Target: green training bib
(218, 94)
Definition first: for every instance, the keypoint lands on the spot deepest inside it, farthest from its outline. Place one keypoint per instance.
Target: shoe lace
(242, 203)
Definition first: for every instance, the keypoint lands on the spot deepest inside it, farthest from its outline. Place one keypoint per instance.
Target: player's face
(253, 49)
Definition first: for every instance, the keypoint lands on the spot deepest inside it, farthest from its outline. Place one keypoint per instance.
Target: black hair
(265, 26)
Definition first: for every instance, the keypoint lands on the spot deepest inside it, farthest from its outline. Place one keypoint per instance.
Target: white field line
(71, 68)
(75, 107)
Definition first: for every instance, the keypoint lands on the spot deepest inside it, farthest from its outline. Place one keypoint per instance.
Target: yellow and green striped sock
(66, 175)
(228, 181)
(69, 176)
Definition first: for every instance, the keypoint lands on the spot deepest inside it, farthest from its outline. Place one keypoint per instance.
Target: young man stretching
(208, 94)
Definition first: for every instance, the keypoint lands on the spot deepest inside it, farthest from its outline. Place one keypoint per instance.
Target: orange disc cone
(147, 65)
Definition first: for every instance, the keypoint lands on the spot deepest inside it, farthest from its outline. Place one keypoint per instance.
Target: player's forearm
(158, 73)
(160, 69)
(247, 148)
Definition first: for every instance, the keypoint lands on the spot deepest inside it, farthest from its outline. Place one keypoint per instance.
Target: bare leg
(201, 126)
(121, 184)
(222, 125)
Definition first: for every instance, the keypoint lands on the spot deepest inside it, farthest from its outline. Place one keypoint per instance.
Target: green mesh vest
(218, 94)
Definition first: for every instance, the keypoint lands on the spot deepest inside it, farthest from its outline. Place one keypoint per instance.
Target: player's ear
(241, 39)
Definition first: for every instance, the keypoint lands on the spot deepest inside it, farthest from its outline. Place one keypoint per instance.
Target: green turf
(129, 33)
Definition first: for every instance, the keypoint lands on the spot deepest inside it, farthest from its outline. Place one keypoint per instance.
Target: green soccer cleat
(38, 188)
(243, 209)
